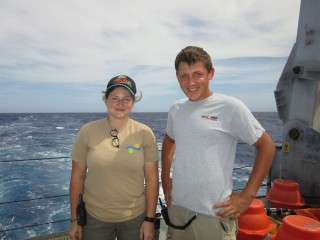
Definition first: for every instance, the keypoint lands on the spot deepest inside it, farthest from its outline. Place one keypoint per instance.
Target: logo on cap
(122, 80)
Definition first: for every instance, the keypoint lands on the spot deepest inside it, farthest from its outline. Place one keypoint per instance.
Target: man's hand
(235, 206)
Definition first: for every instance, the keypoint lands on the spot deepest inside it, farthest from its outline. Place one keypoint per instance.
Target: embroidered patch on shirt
(132, 149)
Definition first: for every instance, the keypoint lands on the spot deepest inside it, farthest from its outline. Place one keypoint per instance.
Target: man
(202, 132)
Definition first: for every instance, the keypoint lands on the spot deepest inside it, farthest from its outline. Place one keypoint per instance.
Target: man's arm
(239, 202)
(167, 153)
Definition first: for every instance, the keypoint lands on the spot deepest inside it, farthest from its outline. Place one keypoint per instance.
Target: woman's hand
(75, 231)
(147, 231)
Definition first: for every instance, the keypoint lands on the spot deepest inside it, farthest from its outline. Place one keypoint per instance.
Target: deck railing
(62, 235)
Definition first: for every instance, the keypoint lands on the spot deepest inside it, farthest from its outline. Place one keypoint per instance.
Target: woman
(111, 160)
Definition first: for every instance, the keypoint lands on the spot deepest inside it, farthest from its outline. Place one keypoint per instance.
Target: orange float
(295, 227)
(254, 223)
(309, 212)
(285, 194)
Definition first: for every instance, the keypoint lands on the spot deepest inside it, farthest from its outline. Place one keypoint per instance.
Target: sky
(58, 55)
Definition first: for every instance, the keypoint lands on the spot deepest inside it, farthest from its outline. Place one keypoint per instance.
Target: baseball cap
(123, 81)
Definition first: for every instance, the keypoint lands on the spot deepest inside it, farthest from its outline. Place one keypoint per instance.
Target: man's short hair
(191, 55)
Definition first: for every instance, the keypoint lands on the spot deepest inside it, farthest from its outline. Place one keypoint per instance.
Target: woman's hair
(191, 55)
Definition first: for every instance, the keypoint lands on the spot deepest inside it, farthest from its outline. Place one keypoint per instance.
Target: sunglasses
(115, 140)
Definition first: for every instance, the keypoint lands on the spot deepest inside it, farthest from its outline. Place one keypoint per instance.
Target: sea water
(35, 166)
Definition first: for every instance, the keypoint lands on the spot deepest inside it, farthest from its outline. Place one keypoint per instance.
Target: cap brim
(122, 85)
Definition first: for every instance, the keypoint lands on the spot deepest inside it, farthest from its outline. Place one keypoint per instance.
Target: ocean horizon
(35, 166)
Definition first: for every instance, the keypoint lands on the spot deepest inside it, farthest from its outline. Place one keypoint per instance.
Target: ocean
(35, 167)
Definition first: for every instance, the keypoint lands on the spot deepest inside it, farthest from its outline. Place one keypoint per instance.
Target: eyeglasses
(115, 140)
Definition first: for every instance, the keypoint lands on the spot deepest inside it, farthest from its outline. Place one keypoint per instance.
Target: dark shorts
(99, 230)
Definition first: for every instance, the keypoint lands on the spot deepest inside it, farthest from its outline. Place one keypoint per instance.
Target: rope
(34, 225)
(31, 159)
(33, 199)
(239, 189)
(56, 196)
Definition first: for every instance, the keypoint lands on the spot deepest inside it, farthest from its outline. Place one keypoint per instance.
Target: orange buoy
(296, 227)
(254, 223)
(309, 212)
(285, 194)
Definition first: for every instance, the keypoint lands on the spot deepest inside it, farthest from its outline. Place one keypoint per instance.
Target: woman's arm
(78, 176)
(152, 193)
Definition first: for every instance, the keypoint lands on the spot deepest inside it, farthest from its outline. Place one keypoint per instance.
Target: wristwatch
(149, 219)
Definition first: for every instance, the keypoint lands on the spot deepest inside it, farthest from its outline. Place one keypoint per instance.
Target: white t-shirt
(206, 133)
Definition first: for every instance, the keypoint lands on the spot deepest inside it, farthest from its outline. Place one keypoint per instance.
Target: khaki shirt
(114, 185)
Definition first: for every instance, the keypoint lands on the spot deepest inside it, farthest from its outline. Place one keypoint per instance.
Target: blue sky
(58, 55)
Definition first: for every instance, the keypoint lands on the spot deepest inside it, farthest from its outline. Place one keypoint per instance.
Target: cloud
(71, 43)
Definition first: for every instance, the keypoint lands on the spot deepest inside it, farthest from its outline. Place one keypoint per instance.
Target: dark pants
(99, 230)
